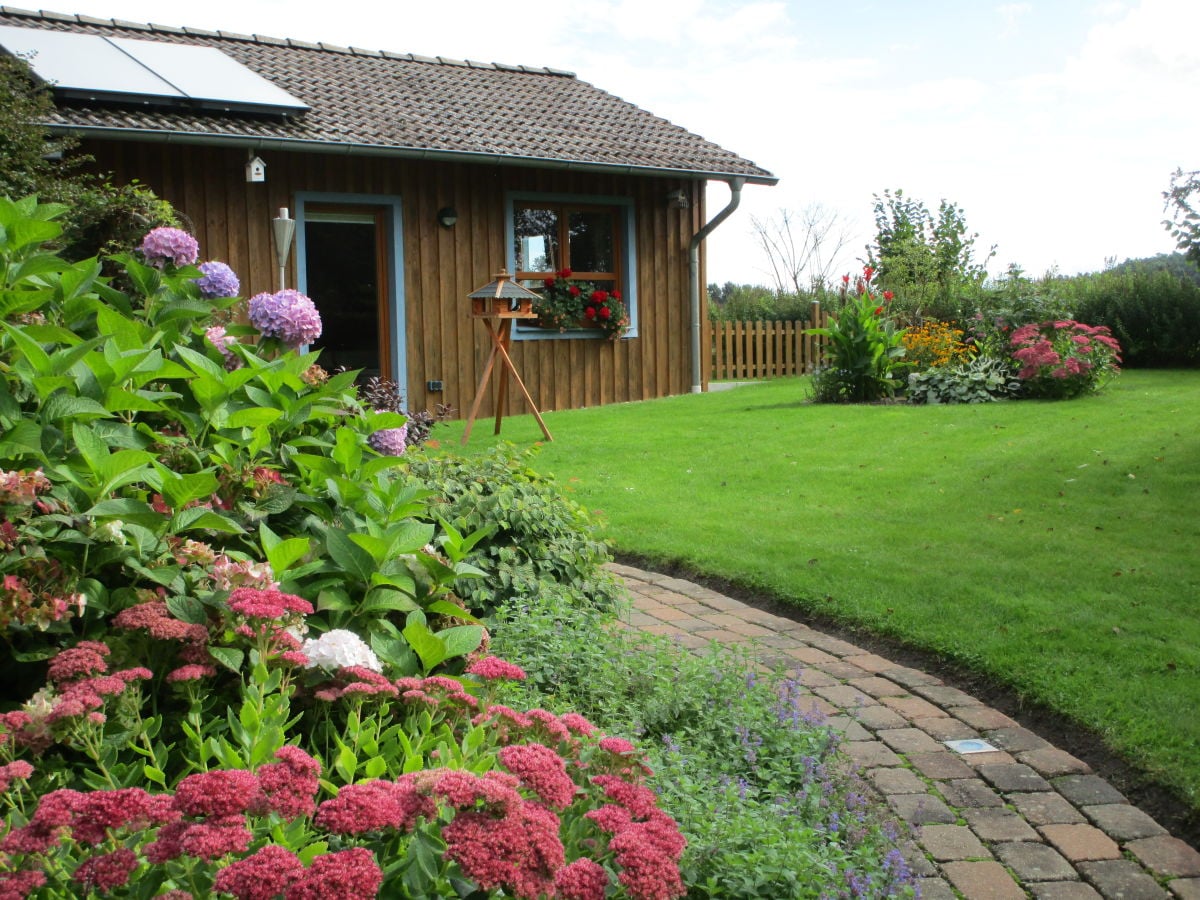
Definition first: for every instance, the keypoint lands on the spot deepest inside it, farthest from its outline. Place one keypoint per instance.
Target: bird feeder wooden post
(497, 304)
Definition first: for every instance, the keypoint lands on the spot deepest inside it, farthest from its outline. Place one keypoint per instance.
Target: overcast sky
(1053, 124)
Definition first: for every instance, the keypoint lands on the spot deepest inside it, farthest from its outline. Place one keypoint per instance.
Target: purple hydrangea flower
(287, 315)
(218, 338)
(389, 441)
(169, 245)
(219, 281)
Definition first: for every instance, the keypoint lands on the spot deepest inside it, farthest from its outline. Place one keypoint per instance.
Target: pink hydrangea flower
(389, 441)
(169, 245)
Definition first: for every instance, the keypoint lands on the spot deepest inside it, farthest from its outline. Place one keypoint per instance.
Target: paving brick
(921, 809)
(869, 754)
(984, 717)
(691, 624)
(810, 655)
(871, 662)
(983, 881)
(969, 793)
(1120, 878)
(997, 824)
(814, 678)
(1016, 739)
(1015, 777)
(1081, 842)
(944, 695)
(1035, 862)
(691, 641)
(1046, 808)
(911, 677)
(908, 740)
(848, 728)
(879, 717)
(1088, 790)
(1123, 822)
(913, 707)
(834, 645)
(1064, 890)
(896, 781)
(663, 629)
(722, 636)
(949, 842)
(1166, 855)
(946, 729)
(668, 613)
(749, 629)
(1185, 888)
(877, 687)
(845, 697)
(917, 862)
(940, 765)
(1052, 762)
(935, 889)
(989, 758)
(843, 671)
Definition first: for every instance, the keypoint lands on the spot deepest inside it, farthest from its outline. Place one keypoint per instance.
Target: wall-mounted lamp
(678, 200)
(256, 170)
(447, 216)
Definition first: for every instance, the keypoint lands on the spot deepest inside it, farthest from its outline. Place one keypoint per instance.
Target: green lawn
(1051, 547)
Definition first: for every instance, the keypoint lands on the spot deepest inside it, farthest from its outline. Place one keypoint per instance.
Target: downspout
(735, 197)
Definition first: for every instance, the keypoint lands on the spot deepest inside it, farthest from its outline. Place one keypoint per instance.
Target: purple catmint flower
(219, 281)
(169, 245)
(389, 441)
(287, 315)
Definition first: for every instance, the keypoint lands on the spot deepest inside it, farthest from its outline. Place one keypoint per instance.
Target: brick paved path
(1027, 820)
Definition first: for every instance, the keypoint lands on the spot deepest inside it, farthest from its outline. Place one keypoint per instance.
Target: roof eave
(296, 145)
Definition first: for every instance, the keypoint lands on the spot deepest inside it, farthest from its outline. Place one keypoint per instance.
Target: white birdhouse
(256, 170)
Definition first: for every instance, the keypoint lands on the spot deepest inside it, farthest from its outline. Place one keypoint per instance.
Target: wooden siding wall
(231, 219)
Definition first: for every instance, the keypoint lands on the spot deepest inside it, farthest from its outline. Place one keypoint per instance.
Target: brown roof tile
(393, 103)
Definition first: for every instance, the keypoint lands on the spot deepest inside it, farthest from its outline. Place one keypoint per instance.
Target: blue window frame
(591, 235)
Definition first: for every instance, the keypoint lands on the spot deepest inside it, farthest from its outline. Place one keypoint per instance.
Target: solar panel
(95, 67)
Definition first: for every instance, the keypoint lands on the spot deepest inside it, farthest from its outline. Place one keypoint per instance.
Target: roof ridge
(154, 28)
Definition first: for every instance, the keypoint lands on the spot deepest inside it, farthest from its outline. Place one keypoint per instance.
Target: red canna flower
(888, 295)
(868, 272)
(878, 310)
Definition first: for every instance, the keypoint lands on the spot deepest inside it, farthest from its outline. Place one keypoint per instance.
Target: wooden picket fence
(748, 351)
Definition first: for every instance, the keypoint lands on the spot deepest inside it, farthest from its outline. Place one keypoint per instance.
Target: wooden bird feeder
(501, 301)
(502, 298)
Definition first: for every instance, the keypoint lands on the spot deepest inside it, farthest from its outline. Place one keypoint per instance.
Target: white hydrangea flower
(339, 648)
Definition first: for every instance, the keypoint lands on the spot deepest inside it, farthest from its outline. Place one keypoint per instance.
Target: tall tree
(923, 258)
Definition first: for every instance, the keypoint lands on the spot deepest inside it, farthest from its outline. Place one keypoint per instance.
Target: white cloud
(1011, 15)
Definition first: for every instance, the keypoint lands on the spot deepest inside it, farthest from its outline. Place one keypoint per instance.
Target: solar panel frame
(110, 69)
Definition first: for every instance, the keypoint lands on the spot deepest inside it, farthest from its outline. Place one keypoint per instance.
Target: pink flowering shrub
(527, 803)
(1063, 358)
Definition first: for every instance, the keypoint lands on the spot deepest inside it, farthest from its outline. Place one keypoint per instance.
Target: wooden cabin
(411, 181)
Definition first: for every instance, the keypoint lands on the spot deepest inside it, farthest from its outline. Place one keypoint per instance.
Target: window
(590, 236)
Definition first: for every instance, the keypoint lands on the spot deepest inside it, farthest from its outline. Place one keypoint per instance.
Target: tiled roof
(372, 101)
